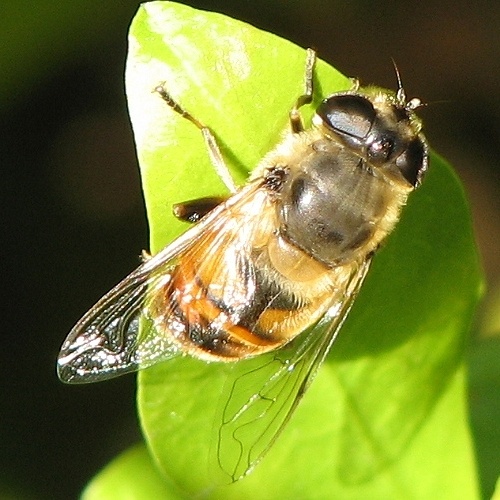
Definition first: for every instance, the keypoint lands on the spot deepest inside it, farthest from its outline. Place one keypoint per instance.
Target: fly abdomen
(202, 316)
(226, 315)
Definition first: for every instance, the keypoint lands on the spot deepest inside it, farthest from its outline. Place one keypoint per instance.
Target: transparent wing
(119, 333)
(252, 418)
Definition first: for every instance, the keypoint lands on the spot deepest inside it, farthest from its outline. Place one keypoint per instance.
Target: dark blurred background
(74, 223)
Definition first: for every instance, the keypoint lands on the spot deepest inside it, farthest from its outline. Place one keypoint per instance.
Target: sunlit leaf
(130, 475)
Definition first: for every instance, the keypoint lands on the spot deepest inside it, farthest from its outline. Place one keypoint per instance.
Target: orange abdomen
(224, 306)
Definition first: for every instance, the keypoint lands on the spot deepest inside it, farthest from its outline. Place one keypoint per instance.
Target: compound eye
(350, 115)
(412, 162)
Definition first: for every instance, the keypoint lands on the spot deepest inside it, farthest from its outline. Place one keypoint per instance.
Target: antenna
(413, 103)
(400, 94)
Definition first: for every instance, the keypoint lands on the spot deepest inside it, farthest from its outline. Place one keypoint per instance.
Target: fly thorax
(332, 202)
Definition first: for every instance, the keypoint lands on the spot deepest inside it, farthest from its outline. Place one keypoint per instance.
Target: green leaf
(130, 475)
(484, 382)
(496, 493)
(386, 416)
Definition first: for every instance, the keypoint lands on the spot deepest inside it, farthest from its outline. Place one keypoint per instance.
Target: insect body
(274, 267)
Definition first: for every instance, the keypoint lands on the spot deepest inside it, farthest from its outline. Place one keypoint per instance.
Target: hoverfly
(273, 268)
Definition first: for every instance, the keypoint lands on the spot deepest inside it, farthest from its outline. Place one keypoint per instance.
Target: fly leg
(210, 140)
(296, 123)
(194, 210)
